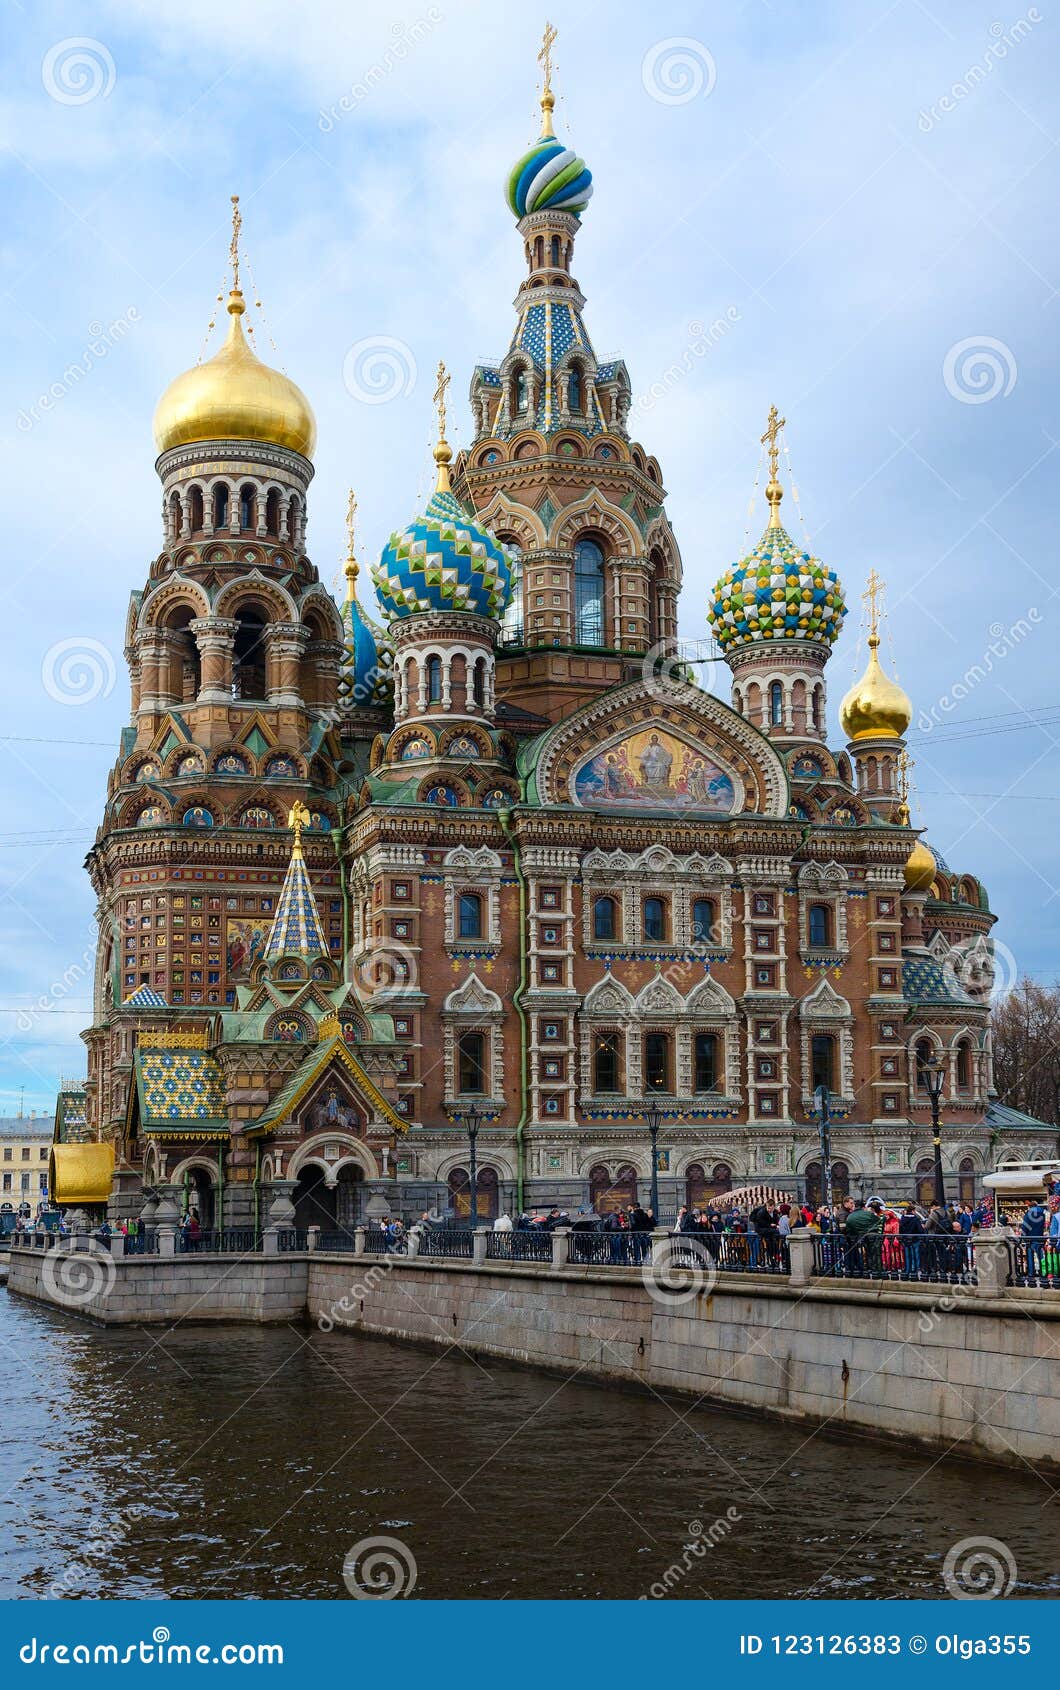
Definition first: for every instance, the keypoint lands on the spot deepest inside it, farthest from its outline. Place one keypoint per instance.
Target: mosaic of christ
(654, 769)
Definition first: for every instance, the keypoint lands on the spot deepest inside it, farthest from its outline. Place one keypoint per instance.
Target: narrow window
(822, 1057)
(605, 1062)
(604, 924)
(471, 1062)
(703, 919)
(469, 911)
(220, 506)
(654, 920)
(434, 680)
(657, 1062)
(588, 593)
(820, 925)
(776, 704)
(706, 1061)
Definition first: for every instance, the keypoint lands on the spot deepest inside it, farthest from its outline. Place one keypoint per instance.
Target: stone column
(559, 1247)
(167, 1217)
(478, 1245)
(992, 1260)
(152, 655)
(800, 1254)
(284, 645)
(327, 657)
(215, 638)
(312, 1238)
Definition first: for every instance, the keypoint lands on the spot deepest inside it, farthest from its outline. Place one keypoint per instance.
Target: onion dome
(443, 560)
(920, 868)
(550, 177)
(777, 592)
(234, 396)
(875, 707)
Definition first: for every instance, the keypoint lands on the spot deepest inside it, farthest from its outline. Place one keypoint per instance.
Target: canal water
(249, 1461)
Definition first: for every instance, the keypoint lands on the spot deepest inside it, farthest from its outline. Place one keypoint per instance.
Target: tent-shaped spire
(296, 931)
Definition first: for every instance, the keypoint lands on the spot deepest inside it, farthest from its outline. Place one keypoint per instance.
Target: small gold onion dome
(234, 396)
(875, 707)
(920, 868)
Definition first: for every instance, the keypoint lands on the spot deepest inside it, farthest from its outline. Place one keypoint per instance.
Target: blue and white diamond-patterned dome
(443, 561)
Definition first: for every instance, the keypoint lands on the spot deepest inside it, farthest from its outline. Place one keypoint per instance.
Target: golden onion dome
(875, 707)
(920, 868)
(234, 396)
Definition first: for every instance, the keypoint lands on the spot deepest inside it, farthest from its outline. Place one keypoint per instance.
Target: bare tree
(1026, 1036)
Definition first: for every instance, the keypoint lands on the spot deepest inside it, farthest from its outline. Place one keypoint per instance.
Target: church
(486, 867)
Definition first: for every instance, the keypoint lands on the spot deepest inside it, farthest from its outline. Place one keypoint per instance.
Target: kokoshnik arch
(532, 871)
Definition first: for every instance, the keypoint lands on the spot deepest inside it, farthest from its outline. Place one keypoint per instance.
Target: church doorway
(925, 1182)
(199, 1196)
(349, 1197)
(607, 1194)
(840, 1183)
(315, 1203)
(486, 1194)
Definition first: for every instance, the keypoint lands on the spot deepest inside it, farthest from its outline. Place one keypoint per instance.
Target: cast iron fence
(927, 1258)
(519, 1247)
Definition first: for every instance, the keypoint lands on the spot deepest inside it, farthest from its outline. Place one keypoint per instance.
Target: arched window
(554, 251)
(486, 1193)
(705, 1054)
(478, 683)
(657, 1062)
(819, 925)
(964, 1066)
(246, 506)
(195, 510)
(776, 704)
(966, 1179)
(588, 593)
(607, 1071)
(607, 1194)
(522, 391)
(574, 389)
(655, 920)
(704, 917)
(925, 1181)
(605, 924)
(822, 1061)
(220, 505)
(922, 1057)
(512, 620)
(434, 680)
(471, 1063)
(248, 666)
(469, 915)
(272, 511)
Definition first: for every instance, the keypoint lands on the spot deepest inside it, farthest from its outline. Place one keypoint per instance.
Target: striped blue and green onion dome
(550, 177)
(443, 561)
(777, 592)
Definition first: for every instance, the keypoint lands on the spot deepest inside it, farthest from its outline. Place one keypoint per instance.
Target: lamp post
(824, 1120)
(932, 1078)
(472, 1119)
(653, 1120)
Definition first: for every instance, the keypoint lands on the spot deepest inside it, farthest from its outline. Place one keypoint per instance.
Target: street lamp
(932, 1078)
(472, 1119)
(824, 1120)
(653, 1116)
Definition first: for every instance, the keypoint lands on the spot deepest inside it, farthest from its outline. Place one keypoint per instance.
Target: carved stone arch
(658, 997)
(463, 857)
(458, 1159)
(659, 537)
(824, 1004)
(592, 511)
(256, 586)
(472, 998)
(355, 1151)
(710, 998)
(197, 1159)
(319, 599)
(175, 590)
(657, 859)
(714, 867)
(576, 353)
(608, 997)
(824, 876)
(606, 863)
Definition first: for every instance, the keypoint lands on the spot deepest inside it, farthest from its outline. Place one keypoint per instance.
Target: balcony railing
(519, 1247)
(928, 1258)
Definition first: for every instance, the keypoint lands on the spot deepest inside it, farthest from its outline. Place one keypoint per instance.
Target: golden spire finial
(904, 765)
(296, 821)
(443, 457)
(774, 491)
(233, 257)
(351, 567)
(548, 99)
(871, 596)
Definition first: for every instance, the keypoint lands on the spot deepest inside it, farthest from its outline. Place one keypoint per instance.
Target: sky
(848, 210)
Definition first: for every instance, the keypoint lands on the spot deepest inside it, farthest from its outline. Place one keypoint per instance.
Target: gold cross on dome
(545, 56)
(352, 570)
(297, 820)
(233, 250)
(873, 589)
(444, 378)
(773, 428)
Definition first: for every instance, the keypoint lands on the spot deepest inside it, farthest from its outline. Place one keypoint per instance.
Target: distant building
(25, 1148)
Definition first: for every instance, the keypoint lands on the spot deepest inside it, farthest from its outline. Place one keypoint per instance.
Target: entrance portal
(315, 1203)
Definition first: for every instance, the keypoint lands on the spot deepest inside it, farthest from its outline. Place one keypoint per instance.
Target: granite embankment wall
(975, 1370)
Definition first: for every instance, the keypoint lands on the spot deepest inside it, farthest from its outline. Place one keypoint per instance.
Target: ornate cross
(444, 378)
(871, 595)
(773, 428)
(297, 820)
(233, 250)
(545, 56)
(352, 570)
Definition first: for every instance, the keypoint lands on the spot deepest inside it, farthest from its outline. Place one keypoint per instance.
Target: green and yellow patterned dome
(777, 592)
